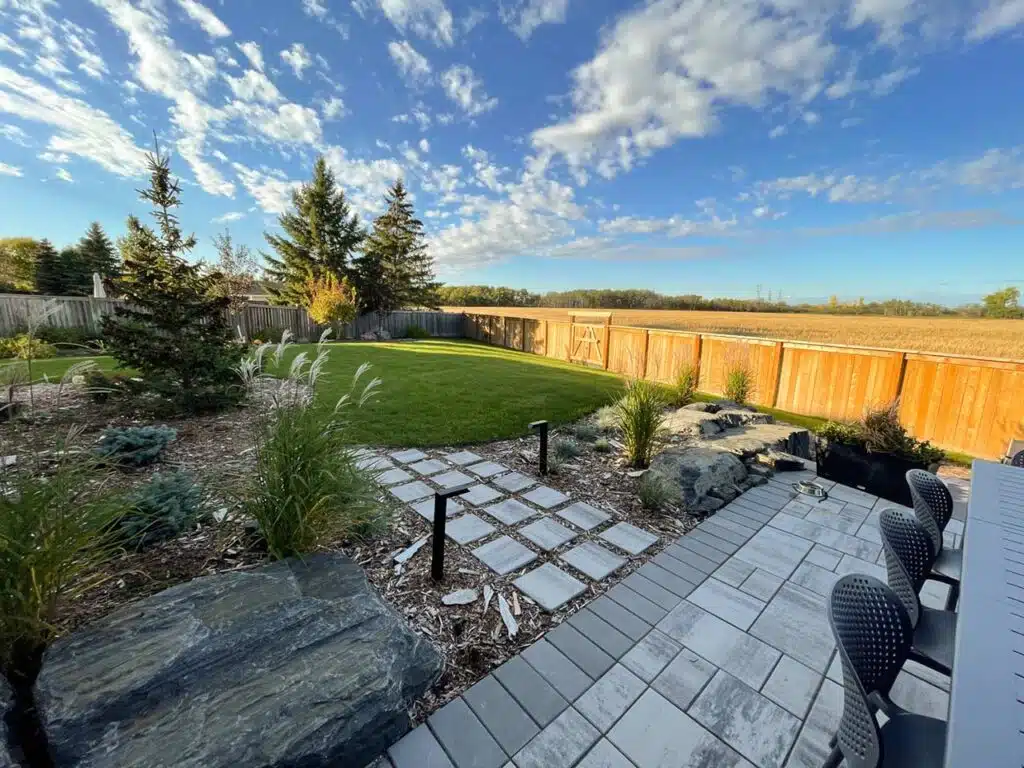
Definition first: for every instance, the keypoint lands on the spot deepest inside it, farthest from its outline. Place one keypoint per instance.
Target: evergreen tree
(76, 272)
(49, 277)
(18, 257)
(395, 269)
(171, 328)
(320, 234)
(99, 254)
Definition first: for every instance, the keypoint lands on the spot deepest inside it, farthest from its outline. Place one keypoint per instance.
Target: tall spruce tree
(98, 252)
(321, 232)
(49, 275)
(395, 269)
(76, 272)
(171, 328)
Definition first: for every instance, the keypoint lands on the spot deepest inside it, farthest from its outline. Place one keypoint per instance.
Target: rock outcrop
(298, 663)
(704, 477)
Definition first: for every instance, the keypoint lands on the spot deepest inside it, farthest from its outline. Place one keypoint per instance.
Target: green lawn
(447, 392)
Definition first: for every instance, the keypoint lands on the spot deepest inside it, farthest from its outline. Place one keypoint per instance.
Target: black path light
(542, 427)
(440, 517)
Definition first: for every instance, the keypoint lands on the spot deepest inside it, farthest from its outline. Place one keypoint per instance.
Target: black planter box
(881, 474)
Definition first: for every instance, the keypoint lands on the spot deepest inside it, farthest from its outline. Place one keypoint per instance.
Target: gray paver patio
(504, 555)
(716, 651)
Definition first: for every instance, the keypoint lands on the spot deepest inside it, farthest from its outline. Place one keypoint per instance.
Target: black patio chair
(1018, 459)
(933, 505)
(909, 554)
(874, 635)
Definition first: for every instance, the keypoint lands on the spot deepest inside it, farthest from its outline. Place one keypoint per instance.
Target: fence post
(697, 344)
(779, 352)
(642, 367)
(522, 335)
(903, 373)
(607, 340)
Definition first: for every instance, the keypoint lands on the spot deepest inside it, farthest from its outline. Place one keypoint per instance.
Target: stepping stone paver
(563, 742)
(468, 528)
(793, 685)
(504, 555)
(487, 469)
(796, 621)
(651, 655)
(545, 497)
(508, 723)
(608, 699)
(464, 737)
(393, 476)
(411, 491)
(510, 511)
(604, 755)
(629, 538)
(451, 479)
(757, 728)
(632, 626)
(555, 667)
(480, 494)
(653, 733)
(728, 603)
(549, 586)
(462, 458)
(514, 482)
(637, 604)
(580, 650)
(429, 466)
(419, 749)
(593, 560)
(601, 633)
(409, 456)
(684, 678)
(371, 463)
(583, 515)
(528, 687)
(547, 534)
(425, 509)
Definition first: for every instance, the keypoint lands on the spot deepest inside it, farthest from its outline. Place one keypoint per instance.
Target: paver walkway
(715, 653)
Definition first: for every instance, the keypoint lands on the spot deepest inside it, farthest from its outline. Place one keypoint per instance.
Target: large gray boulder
(691, 423)
(298, 663)
(698, 472)
(6, 703)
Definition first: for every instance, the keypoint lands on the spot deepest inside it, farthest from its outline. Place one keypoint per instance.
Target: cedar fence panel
(720, 354)
(559, 338)
(627, 350)
(668, 351)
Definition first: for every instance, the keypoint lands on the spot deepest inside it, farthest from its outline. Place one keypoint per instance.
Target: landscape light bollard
(440, 516)
(542, 427)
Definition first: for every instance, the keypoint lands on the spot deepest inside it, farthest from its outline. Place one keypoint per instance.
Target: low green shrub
(164, 508)
(416, 332)
(101, 386)
(134, 446)
(77, 337)
(656, 492)
(565, 449)
(685, 384)
(586, 431)
(606, 418)
(24, 347)
(640, 419)
(739, 383)
(601, 445)
(270, 335)
(880, 431)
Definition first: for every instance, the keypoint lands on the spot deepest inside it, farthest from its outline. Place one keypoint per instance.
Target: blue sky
(810, 147)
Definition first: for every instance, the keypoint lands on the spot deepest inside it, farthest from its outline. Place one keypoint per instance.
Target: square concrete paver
(547, 534)
(409, 456)
(796, 621)
(757, 728)
(629, 538)
(411, 491)
(393, 476)
(504, 555)
(507, 722)
(545, 497)
(451, 479)
(775, 551)
(627, 623)
(510, 511)
(464, 737)
(549, 587)
(563, 742)
(604, 755)
(654, 734)
(556, 668)
(593, 560)
(487, 469)
(608, 699)
(651, 655)
(761, 584)
(729, 603)
(425, 509)
(419, 749)
(480, 494)
(534, 694)
(792, 686)
(462, 458)
(371, 463)
(583, 515)
(468, 528)
(514, 482)
(684, 678)
(824, 557)
(428, 467)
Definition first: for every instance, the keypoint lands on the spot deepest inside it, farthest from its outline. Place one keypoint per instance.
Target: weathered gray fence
(87, 313)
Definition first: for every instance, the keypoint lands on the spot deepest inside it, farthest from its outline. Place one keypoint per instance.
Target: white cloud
(850, 122)
(412, 64)
(314, 8)
(777, 131)
(64, 175)
(272, 192)
(997, 17)
(253, 85)
(289, 123)
(467, 90)
(673, 226)
(333, 108)
(887, 83)
(7, 44)
(227, 218)
(364, 181)
(15, 134)
(205, 18)
(525, 17)
(811, 118)
(252, 53)
(57, 158)
(430, 19)
(996, 170)
(914, 221)
(663, 72)
(90, 61)
(298, 58)
(424, 146)
(889, 17)
(10, 170)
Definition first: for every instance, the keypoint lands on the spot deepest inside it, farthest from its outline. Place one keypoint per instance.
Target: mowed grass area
(445, 392)
(945, 335)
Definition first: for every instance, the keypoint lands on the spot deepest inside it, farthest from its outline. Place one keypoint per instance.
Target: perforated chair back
(1018, 459)
(933, 503)
(874, 635)
(909, 556)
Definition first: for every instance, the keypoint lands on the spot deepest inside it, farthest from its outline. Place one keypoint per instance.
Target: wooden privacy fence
(87, 313)
(966, 404)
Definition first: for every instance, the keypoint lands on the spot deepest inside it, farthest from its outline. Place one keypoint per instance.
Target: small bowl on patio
(807, 488)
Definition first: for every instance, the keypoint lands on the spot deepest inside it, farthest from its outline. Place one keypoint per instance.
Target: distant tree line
(1000, 304)
(35, 266)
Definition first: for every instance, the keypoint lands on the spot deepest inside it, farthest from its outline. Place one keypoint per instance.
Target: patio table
(986, 709)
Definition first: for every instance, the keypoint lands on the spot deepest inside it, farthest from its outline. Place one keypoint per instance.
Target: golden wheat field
(946, 335)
